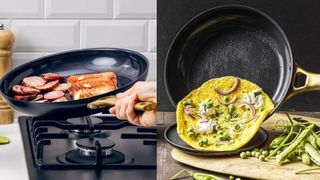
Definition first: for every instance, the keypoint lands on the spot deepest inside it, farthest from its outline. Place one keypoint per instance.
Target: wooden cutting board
(251, 167)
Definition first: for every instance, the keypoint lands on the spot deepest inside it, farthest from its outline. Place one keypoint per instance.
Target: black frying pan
(129, 67)
(238, 41)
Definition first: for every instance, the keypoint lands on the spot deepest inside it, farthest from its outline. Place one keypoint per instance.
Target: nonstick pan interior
(129, 67)
(231, 40)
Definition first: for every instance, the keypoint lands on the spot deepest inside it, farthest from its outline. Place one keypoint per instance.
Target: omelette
(223, 114)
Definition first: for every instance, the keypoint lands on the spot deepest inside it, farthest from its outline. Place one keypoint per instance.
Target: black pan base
(173, 138)
(229, 41)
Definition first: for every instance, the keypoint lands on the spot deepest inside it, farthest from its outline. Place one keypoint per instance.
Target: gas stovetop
(93, 147)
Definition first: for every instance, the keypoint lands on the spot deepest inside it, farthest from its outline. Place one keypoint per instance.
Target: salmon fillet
(88, 85)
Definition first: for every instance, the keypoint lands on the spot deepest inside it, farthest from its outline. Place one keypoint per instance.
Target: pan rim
(194, 19)
(75, 51)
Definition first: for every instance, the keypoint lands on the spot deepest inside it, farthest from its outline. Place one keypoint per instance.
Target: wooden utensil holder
(6, 44)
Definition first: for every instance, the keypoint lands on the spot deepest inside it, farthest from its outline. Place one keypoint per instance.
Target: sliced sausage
(53, 95)
(38, 97)
(24, 98)
(48, 86)
(33, 81)
(17, 89)
(51, 76)
(29, 90)
(62, 99)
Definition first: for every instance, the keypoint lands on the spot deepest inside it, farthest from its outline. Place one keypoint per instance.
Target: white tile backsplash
(152, 73)
(21, 9)
(6, 23)
(93, 9)
(123, 34)
(135, 8)
(21, 58)
(44, 35)
(43, 27)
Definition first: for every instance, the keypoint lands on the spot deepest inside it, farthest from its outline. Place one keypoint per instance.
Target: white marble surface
(12, 159)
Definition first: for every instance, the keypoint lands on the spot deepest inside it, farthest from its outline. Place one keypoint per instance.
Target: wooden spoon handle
(110, 101)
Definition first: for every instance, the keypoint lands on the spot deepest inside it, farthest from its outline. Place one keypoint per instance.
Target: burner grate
(44, 134)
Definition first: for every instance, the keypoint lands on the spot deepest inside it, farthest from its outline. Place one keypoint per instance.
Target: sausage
(33, 81)
(29, 90)
(38, 97)
(62, 99)
(48, 86)
(25, 98)
(51, 76)
(17, 89)
(53, 95)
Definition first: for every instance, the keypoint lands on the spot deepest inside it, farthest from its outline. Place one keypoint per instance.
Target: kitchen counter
(167, 167)
(13, 165)
(12, 159)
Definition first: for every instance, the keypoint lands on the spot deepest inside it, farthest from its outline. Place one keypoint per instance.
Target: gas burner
(90, 121)
(90, 150)
(88, 146)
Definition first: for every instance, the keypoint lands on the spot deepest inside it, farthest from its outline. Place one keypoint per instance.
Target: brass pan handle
(110, 101)
(312, 82)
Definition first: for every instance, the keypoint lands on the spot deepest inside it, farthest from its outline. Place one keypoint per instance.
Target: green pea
(225, 98)
(262, 158)
(221, 138)
(217, 127)
(231, 108)
(238, 178)
(227, 117)
(248, 153)
(256, 149)
(253, 153)
(265, 153)
(187, 102)
(243, 155)
(261, 150)
(258, 154)
(231, 177)
(226, 135)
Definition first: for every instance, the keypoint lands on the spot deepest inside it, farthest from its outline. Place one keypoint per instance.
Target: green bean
(307, 171)
(283, 155)
(283, 142)
(313, 153)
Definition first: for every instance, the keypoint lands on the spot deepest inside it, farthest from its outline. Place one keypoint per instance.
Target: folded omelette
(223, 114)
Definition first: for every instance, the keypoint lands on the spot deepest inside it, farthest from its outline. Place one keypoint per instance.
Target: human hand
(124, 108)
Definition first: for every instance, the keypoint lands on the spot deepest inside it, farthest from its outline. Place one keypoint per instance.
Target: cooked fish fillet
(88, 85)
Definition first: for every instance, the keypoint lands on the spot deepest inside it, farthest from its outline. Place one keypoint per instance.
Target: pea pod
(4, 140)
(202, 176)
(312, 140)
(302, 136)
(195, 176)
(305, 159)
(282, 143)
(277, 141)
(313, 153)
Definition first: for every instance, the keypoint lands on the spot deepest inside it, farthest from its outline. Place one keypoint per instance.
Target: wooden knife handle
(110, 101)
